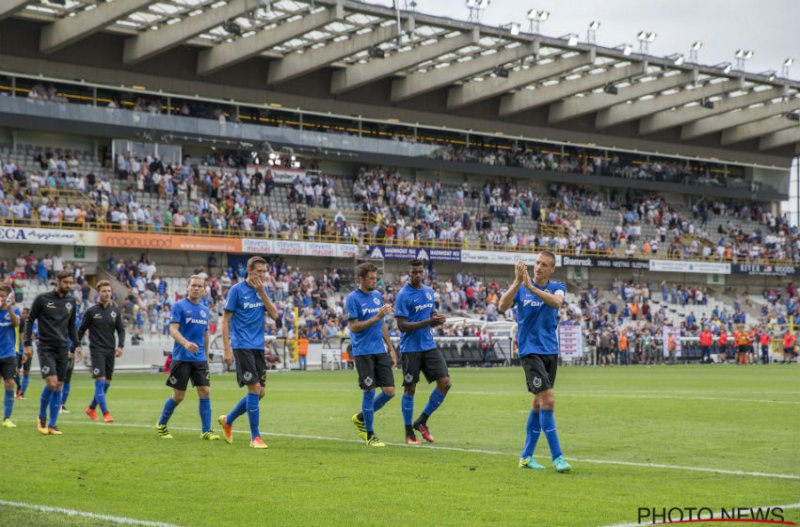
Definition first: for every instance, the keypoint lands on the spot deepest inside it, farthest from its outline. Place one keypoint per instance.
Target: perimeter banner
(685, 266)
(501, 258)
(166, 242)
(391, 252)
(765, 270)
(47, 236)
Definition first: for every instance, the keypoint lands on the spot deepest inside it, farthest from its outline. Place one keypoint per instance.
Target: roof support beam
(296, 64)
(66, 31)
(577, 106)
(757, 129)
(419, 83)
(709, 125)
(225, 55)
(151, 43)
(782, 138)
(671, 118)
(527, 99)
(358, 75)
(9, 7)
(622, 113)
(473, 92)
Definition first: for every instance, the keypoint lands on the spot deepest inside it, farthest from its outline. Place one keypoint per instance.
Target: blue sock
(367, 409)
(100, 396)
(25, 380)
(435, 401)
(407, 407)
(55, 406)
(548, 424)
(205, 414)
(44, 402)
(253, 415)
(166, 413)
(239, 409)
(9, 403)
(380, 399)
(65, 394)
(532, 431)
(17, 381)
(106, 386)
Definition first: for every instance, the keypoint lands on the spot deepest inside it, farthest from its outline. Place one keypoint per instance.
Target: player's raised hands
(519, 270)
(526, 277)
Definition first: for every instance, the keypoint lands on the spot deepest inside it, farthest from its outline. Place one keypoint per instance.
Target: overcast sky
(770, 28)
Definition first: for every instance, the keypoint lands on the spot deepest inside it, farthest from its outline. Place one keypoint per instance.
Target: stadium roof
(515, 76)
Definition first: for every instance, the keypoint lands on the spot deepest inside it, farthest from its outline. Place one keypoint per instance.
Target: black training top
(102, 323)
(56, 315)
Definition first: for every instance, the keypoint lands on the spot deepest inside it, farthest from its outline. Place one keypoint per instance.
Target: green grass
(716, 417)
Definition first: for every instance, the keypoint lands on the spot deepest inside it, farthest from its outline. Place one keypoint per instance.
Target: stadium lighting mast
(475, 7)
(536, 18)
(785, 67)
(694, 51)
(645, 38)
(742, 56)
(591, 32)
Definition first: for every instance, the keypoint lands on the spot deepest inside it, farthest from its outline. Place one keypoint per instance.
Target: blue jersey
(247, 322)
(192, 320)
(537, 323)
(361, 306)
(9, 335)
(415, 305)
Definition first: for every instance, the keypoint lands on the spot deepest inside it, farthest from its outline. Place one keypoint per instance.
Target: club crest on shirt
(376, 301)
(428, 296)
(203, 314)
(7, 316)
(113, 314)
(69, 306)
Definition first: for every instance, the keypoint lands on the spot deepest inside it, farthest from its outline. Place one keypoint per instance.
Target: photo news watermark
(699, 515)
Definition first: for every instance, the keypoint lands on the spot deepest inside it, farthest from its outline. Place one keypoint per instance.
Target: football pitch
(661, 437)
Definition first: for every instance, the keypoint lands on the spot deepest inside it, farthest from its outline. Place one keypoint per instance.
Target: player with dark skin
(416, 279)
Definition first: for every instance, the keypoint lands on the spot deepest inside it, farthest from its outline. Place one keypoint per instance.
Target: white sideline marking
(92, 515)
(481, 451)
(716, 515)
(621, 395)
(634, 396)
